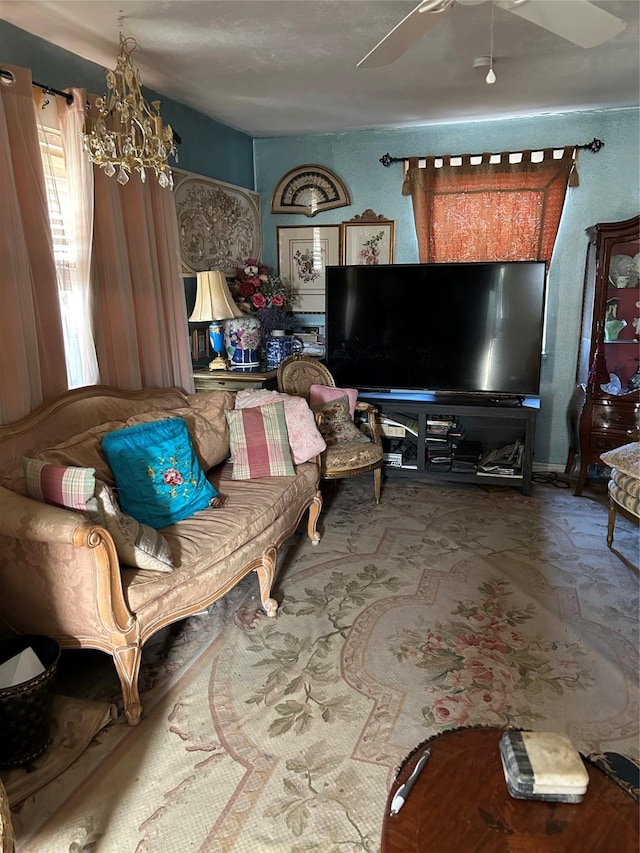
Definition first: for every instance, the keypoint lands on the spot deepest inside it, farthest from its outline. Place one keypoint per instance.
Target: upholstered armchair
(351, 452)
(624, 484)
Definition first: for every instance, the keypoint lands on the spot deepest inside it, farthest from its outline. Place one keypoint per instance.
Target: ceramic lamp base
(242, 341)
(216, 338)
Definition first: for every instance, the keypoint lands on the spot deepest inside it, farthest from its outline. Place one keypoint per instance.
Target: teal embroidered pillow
(157, 473)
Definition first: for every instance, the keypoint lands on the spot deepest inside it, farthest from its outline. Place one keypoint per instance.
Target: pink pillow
(319, 394)
(305, 439)
(63, 485)
(259, 445)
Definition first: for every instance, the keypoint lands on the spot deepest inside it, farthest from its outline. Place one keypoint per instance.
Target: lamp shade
(213, 298)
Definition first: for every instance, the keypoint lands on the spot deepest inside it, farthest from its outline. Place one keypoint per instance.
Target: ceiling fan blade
(577, 21)
(404, 34)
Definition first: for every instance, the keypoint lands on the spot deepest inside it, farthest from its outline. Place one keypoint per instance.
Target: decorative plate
(621, 265)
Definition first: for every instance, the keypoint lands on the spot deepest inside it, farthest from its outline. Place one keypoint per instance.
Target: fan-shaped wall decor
(308, 190)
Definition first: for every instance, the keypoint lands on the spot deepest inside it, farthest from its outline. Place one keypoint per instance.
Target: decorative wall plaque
(308, 190)
(218, 223)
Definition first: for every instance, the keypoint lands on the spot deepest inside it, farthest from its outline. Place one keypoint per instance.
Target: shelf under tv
(493, 426)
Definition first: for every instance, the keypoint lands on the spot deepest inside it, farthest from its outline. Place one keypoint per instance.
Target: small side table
(460, 804)
(233, 380)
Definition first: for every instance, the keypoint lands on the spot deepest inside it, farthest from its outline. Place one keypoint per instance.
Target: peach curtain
(82, 365)
(32, 361)
(141, 329)
(488, 211)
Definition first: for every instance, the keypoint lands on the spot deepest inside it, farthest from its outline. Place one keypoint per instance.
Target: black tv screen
(461, 328)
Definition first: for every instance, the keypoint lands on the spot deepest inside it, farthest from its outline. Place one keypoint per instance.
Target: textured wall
(608, 192)
(608, 188)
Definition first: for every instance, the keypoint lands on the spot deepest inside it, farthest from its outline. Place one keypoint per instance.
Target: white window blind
(78, 341)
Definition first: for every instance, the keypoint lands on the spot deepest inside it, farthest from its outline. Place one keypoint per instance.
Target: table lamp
(214, 304)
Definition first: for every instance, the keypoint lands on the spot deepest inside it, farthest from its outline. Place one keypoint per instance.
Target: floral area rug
(443, 606)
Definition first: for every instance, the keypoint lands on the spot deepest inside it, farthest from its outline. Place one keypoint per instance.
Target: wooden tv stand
(494, 423)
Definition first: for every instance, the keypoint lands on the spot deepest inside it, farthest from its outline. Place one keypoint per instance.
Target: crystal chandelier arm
(127, 133)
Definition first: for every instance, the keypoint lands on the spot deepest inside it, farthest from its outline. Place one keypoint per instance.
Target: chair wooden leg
(377, 483)
(611, 522)
(571, 456)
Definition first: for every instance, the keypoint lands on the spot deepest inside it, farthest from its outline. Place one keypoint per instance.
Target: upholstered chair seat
(347, 458)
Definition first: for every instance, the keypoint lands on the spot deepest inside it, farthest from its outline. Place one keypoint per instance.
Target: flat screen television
(457, 328)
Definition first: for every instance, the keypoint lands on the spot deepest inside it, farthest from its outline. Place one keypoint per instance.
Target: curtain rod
(594, 146)
(8, 78)
(49, 90)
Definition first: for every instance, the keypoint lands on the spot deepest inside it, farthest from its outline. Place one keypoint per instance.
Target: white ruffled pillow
(305, 439)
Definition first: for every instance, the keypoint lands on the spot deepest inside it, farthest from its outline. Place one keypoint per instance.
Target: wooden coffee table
(460, 803)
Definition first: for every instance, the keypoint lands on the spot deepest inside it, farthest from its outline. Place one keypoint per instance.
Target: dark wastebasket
(25, 709)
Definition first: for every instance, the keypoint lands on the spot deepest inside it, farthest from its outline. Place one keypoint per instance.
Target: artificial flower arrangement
(255, 288)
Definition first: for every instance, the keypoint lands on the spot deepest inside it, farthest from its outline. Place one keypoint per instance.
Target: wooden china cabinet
(607, 415)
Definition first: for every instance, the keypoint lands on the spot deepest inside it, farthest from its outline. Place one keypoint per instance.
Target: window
(72, 290)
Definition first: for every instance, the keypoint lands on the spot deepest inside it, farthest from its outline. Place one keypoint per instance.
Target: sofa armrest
(33, 535)
(25, 518)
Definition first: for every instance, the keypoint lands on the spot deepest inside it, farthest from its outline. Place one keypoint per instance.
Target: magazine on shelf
(411, 424)
(503, 461)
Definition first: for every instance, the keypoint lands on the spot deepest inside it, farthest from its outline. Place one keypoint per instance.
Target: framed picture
(200, 344)
(368, 239)
(303, 254)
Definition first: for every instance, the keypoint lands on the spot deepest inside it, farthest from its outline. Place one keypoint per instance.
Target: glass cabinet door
(622, 317)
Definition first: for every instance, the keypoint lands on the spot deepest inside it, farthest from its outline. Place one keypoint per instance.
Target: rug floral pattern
(440, 607)
(480, 661)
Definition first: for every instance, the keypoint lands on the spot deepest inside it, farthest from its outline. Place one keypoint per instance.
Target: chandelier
(127, 134)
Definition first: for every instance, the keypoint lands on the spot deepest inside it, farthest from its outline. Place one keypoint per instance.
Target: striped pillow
(259, 442)
(62, 485)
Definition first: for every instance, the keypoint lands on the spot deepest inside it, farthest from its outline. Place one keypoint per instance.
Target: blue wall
(608, 188)
(207, 148)
(608, 192)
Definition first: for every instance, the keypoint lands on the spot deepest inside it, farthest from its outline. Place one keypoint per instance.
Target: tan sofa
(60, 574)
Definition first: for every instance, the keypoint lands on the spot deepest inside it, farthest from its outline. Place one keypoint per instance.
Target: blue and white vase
(242, 338)
(279, 346)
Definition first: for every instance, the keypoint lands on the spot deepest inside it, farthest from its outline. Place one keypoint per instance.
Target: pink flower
(492, 705)
(431, 643)
(487, 671)
(258, 300)
(172, 477)
(246, 289)
(453, 710)
(278, 301)
(457, 679)
(480, 619)
(263, 277)
(514, 639)
(463, 642)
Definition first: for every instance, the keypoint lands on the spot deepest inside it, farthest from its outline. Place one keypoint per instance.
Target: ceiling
(288, 67)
